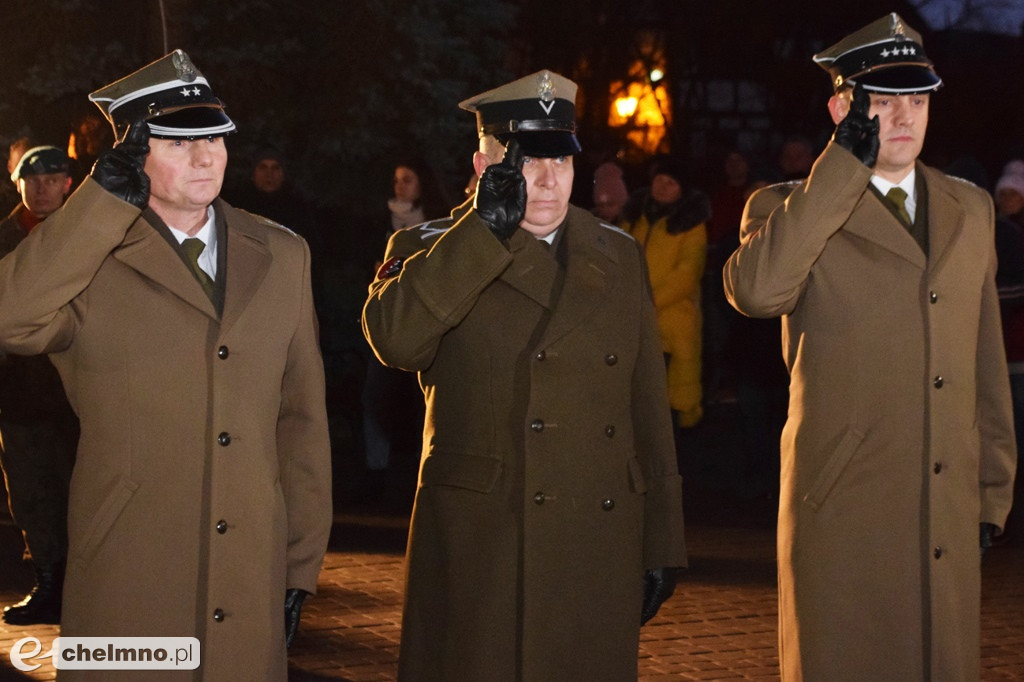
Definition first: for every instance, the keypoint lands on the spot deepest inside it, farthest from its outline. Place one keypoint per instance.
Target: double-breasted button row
(937, 552)
(224, 439)
(938, 381)
(538, 498)
(937, 467)
(218, 615)
(537, 425)
(222, 526)
(933, 297)
(223, 352)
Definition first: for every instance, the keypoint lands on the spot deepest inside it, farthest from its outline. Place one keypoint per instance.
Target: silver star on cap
(546, 88)
(185, 92)
(183, 65)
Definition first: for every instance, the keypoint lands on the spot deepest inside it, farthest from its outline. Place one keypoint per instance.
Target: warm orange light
(626, 106)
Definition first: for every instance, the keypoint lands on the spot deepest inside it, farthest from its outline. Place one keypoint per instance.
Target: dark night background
(347, 87)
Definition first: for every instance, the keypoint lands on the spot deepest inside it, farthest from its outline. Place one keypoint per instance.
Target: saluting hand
(120, 170)
(857, 132)
(501, 193)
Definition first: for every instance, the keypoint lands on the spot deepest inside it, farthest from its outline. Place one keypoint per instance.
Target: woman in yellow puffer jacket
(668, 219)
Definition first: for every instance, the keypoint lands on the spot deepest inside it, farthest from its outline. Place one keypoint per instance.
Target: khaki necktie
(898, 198)
(192, 248)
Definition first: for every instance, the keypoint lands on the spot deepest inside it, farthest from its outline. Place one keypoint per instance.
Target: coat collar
(874, 222)
(246, 261)
(589, 257)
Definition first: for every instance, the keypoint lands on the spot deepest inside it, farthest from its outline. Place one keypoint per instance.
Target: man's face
(548, 186)
(268, 175)
(902, 122)
(44, 193)
(184, 175)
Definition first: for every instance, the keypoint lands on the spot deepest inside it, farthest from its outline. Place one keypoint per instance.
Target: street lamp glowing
(657, 75)
(626, 106)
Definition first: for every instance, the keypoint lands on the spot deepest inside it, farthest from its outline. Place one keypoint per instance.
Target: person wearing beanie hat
(669, 219)
(1010, 192)
(547, 525)
(38, 430)
(898, 456)
(184, 332)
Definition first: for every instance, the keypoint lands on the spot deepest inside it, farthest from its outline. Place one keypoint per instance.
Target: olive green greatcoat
(187, 419)
(548, 481)
(900, 439)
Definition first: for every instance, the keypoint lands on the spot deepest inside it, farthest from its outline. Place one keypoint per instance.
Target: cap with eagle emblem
(171, 95)
(539, 110)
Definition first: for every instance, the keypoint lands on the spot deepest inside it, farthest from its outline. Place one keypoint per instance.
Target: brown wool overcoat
(188, 420)
(900, 438)
(548, 481)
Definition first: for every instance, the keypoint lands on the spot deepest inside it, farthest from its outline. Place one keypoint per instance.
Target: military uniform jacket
(900, 437)
(202, 485)
(548, 480)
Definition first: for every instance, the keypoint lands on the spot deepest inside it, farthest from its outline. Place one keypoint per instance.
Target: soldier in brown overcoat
(200, 501)
(548, 519)
(899, 453)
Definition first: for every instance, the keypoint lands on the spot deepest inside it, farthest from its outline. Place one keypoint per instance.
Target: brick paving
(720, 624)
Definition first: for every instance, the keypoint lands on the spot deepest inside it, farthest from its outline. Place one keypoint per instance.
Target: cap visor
(897, 80)
(545, 144)
(191, 122)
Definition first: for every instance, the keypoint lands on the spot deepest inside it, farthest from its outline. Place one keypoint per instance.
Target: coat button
(538, 498)
(611, 359)
(939, 381)
(224, 439)
(222, 526)
(537, 425)
(608, 505)
(218, 615)
(937, 552)
(937, 468)
(223, 353)
(609, 430)
(933, 297)
(540, 355)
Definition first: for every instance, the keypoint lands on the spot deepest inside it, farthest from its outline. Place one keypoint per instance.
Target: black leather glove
(293, 599)
(857, 132)
(501, 193)
(119, 170)
(987, 532)
(659, 584)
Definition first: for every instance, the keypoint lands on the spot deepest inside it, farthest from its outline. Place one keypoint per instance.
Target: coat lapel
(248, 261)
(945, 216)
(148, 253)
(872, 221)
(586, 276)
(533, 270)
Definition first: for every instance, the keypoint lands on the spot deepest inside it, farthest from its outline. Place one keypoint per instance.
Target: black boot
(42, 604)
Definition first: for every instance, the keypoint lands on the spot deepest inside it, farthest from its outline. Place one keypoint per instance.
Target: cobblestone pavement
(720, 624)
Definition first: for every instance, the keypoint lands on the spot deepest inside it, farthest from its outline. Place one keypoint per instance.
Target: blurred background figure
(1009, 197)
(38, 429)
(9, 194)
(796, 156)
(392, 401)
(610, 192)
(1010, 192)
(669, 219)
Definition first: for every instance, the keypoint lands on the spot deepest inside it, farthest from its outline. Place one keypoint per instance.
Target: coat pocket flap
(637, 482)
(461, 471)
(833, 469)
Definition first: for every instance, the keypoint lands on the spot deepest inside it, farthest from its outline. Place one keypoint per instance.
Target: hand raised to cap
(501, 193)
(857, 133)
(120, 170)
